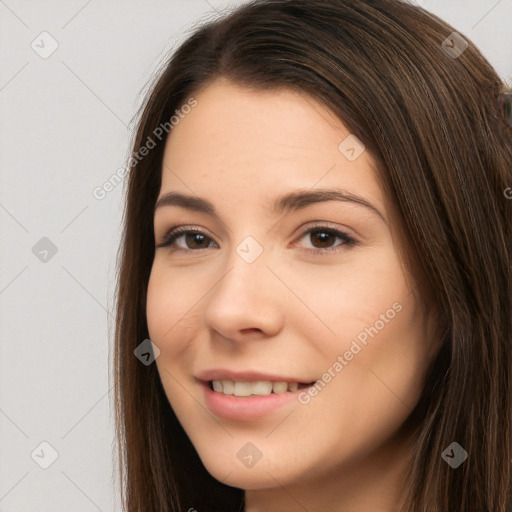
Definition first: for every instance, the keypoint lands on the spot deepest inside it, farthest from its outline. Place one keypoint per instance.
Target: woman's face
(291, 277)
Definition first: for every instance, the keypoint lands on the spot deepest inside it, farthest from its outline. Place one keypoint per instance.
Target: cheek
(384, 366)
(399, 355)
(170, 306)
(351, 296)
(172, 322)
(381, 337)
(377, 389)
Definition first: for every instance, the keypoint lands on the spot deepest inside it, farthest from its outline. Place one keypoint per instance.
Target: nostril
(251, 330)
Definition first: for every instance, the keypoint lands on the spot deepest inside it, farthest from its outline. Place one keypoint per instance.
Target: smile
(258, 388)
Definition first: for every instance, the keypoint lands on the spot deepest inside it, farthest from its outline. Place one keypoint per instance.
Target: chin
(230, 462)
(258, 477)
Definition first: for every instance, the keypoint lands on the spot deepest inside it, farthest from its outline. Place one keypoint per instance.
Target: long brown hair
(432, 121)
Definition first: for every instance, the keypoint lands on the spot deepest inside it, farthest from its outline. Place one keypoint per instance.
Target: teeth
(293, 386)
(243, 389)
(279, 387)
(261, 388)
(228, 387)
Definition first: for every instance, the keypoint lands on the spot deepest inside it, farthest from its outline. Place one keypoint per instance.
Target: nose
(246, 301)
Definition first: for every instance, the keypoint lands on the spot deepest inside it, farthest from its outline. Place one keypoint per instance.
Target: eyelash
(174, 233)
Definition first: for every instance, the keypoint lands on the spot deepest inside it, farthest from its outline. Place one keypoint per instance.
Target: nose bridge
(247, 265)
(243, 298)
(250, 250)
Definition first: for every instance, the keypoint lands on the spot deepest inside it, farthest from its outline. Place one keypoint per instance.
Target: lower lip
(246, 408)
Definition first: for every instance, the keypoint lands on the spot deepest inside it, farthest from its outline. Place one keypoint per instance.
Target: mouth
(249, 395)
(255, 388)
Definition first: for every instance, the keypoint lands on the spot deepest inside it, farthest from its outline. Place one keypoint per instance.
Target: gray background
(65, 129)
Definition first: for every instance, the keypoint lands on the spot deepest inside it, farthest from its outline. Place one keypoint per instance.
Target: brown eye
(193, 239)
(323, 238)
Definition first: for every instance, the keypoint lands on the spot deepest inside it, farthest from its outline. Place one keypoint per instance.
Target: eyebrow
(293, 201)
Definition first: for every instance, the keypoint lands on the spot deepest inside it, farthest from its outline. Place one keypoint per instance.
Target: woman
(315, 269)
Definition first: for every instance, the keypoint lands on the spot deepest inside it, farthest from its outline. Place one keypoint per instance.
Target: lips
(248, 376)
(248, 395)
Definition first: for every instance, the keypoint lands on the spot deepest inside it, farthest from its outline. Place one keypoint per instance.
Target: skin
(289, 312)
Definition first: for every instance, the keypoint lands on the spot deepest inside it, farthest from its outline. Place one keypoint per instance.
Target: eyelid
(312, 224)
(182, 229)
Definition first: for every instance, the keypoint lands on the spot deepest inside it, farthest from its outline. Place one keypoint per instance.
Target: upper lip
(246, 376)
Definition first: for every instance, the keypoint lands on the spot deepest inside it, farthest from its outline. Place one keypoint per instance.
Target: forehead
(262, 143)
